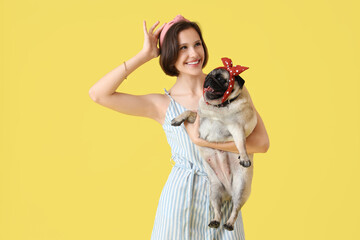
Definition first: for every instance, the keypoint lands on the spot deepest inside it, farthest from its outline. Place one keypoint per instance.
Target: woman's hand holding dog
(193, 130)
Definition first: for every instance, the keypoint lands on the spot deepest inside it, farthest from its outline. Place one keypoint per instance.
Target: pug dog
(225, 114)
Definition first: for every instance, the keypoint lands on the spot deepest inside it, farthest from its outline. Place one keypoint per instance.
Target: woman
(183, 211)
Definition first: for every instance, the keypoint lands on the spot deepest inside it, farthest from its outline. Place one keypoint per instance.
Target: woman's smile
(194, 63)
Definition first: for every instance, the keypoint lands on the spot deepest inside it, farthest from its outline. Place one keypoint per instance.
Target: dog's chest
(213, 130)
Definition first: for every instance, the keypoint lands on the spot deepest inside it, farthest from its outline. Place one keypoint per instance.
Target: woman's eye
(198, 44)
(183, 47)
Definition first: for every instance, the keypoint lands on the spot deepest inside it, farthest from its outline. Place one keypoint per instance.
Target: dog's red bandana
(233, 71)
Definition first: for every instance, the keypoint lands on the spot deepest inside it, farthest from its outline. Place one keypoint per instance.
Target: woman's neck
(189, 85)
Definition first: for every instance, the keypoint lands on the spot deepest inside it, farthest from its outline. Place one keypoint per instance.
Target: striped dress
(184, 209)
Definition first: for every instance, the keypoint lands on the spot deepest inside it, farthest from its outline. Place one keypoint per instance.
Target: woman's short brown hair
(170, 47)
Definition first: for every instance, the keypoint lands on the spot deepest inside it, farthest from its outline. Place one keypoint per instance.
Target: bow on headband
(233, 71)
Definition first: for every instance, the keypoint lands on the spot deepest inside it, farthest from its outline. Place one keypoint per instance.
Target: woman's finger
(153, 27)
(158, 31)
(145, 28)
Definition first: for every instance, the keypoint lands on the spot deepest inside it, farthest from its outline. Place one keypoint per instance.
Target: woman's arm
(256, 142)
(104, 92)
(108, 84)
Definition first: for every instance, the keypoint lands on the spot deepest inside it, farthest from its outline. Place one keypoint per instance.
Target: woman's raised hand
(150, 40)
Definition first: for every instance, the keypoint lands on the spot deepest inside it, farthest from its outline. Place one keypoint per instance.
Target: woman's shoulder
(161, 102)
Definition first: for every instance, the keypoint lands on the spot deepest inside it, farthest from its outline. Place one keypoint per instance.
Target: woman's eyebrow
(187, 43)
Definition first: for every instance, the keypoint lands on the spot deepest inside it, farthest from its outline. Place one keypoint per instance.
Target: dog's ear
(240, 81)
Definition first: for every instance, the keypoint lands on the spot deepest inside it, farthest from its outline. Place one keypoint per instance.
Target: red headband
(233, 71)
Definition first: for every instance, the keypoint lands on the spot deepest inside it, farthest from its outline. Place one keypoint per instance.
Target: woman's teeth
(192, 63)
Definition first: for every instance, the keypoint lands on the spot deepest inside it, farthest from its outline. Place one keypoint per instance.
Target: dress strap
(167, 93)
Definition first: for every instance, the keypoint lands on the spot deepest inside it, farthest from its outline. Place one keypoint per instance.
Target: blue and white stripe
(184, 210)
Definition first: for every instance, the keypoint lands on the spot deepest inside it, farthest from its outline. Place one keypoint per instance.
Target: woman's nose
(193, 52)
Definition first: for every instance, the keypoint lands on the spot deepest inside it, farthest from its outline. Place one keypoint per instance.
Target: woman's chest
(189, 103)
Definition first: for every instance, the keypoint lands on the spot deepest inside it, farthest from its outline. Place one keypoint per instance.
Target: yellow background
(72, 169)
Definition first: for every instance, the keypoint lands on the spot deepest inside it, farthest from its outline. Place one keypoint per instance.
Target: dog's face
(217, 82)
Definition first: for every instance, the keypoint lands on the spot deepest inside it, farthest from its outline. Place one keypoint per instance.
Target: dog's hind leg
(240, 190)
(229, 225)
(216, 190)
(216, 187)
(187, 115)
(237, 199)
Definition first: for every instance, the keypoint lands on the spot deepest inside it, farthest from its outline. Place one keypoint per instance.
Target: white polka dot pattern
(229, 67)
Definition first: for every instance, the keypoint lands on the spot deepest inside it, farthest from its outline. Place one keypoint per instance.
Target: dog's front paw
(245, 163)
(176, 122)
(214, 224)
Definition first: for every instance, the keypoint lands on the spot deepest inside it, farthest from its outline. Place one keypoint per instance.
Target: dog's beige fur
(229, 177)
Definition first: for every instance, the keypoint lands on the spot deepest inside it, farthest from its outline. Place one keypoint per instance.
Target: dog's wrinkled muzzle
(215, 83)
(213, 88)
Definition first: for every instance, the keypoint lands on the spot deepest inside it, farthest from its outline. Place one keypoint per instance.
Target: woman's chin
(194, 72)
